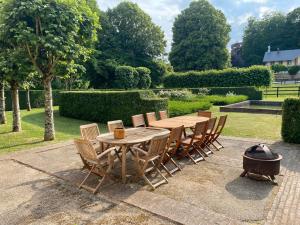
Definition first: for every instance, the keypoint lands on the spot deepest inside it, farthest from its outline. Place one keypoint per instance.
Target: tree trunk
(16, 126)
(2, 104)
(28, 100)
(49, 118)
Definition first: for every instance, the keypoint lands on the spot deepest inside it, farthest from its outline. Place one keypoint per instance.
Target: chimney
(269, 48)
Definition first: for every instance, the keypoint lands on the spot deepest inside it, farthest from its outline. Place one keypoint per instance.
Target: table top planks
(170, 123)
(133, 136)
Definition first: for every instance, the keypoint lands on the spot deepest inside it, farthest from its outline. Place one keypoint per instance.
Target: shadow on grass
(67, 126)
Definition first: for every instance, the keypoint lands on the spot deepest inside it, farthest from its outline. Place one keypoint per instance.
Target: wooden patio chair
(217, 132)
(173, 144)
(205, 114)
(209, 135)
(100, 165)
(150, 117)
(148, 160)
(90, 132)
(163, 115)
(192, 145)
(112, 125)
(138, 121)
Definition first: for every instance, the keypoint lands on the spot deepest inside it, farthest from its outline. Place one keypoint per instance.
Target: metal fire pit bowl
(268, 167)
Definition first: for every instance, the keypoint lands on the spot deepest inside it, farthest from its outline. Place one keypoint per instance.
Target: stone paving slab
(32, 197)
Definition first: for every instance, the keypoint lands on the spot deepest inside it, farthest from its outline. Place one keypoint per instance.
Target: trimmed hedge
(36, 99)
(178, 108)
(232, 77)
(111, 105)
(290, 130)
(251, 92)
(224, 100)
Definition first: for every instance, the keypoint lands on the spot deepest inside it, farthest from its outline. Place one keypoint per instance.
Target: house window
(289, 62)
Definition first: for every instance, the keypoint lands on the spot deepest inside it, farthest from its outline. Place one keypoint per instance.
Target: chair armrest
(107, 151)
(139, 150)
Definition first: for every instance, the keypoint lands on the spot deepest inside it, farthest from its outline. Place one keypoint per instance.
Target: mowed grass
(33, 130)
(260, 126)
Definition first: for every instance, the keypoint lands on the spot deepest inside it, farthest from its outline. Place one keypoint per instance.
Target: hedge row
(178, 108)
(232, 77)
(105, 106)
(36, 99)
(290, 130)
(251, 92)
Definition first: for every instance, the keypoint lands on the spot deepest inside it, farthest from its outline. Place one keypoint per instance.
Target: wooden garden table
(133, 136)
(170, 123)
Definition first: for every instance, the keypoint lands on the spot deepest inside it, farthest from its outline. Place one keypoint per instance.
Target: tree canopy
(275, 29)
(128, 37)
(200, 38)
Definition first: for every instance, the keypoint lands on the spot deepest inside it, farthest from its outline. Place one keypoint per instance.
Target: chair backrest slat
(201, 128)
(220, 126)
(205, 114)
(212, 123)
(89, 131)
(112, 125)
(86, 149)
(163, 115)
(138, 121)
(151, 117)
(175, 135)
(158, 145)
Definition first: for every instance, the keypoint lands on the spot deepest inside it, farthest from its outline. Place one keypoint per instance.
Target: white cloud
(263, 10)
(253, 1)
(242, 19)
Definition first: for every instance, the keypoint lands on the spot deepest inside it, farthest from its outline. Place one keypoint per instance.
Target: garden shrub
(290, 130)
(179, 95)
(110, 105)
(177, 108)
(232, 77)
(293, 70)
(224, 100)
(144, 77)
(251, 92)
(279, 68)
(36, 99)
(126, 77)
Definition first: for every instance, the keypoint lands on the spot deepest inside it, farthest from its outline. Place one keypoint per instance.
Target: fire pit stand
(259, 160)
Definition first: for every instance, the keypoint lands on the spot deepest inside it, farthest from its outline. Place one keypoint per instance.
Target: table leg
(123, 167)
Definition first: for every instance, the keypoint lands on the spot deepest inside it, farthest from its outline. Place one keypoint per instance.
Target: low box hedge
(178, 108)
(225, 100)
(36, 99)
(290, 130)
(111, 105)
(251, 92)
(232, 77)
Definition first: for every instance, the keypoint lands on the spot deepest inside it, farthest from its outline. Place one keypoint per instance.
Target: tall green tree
(50, 31)
(200, 38)
(260, 33)
(292, 30)
(128, 37)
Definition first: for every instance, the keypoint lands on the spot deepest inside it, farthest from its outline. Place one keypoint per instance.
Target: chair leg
(166, 169)
(175, 164)
(86, 177)
(219, 143)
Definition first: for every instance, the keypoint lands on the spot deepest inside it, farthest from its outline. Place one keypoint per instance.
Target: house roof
(285, 55)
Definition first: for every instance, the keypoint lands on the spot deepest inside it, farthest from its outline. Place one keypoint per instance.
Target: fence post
(299, 91)
(277, 92)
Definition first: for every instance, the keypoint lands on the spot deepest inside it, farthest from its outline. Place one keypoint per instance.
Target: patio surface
(38, 186)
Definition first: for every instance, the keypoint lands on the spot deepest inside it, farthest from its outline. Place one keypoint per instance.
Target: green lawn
(33, 130)
(266, 127)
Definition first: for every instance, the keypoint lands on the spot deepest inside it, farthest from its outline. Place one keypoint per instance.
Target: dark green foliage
(224, 100)
(200, 38)
(274, 29)
(252, 76)
(144, 77)
(290, 130)
(128, 37)
(293, 70)
(126, 77)
(251, 92)
(279, 68)
(104, 106)
(36, 99)
(177, 108)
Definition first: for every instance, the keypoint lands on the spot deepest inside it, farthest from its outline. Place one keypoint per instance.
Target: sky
(237, 12)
